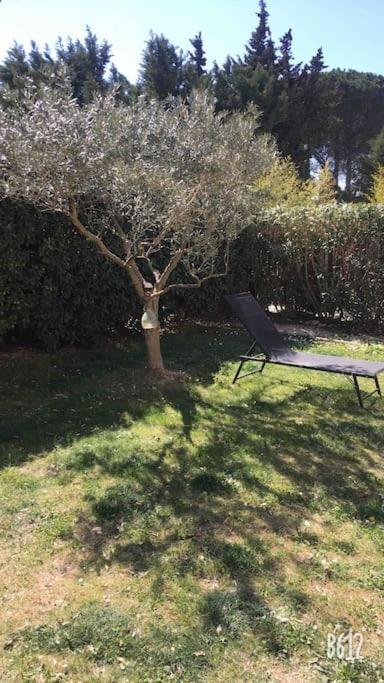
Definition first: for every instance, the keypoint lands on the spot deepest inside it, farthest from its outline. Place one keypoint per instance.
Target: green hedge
(55, 288)
(326, 261)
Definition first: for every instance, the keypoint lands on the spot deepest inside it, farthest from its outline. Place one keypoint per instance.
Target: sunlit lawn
(197, 532)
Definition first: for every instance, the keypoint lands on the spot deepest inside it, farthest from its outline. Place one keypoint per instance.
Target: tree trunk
(348, 177)
(336, 149)
(152, 340)
(151, 327)
(336, 168)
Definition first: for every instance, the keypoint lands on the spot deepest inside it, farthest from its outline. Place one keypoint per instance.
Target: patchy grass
(195, 532)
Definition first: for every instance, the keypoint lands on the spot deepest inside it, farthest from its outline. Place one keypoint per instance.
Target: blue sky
(350, 31)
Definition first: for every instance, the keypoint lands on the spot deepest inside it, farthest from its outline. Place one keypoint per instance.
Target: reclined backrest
(258, 324)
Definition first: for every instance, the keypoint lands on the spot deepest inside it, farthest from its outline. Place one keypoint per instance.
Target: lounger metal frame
(263, 358)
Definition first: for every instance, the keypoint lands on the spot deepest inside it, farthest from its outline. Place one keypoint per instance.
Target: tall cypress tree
(224, 88)
(299, 134)
(126, 92)
(316, 65)
(87, 63)
(15, 66)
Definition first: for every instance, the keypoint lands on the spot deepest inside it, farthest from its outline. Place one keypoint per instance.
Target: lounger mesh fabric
(277, 351)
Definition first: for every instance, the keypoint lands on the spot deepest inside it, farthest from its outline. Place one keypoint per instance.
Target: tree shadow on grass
(198, 496)
(55, 399)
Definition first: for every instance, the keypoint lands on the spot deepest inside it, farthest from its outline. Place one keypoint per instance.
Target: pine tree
(198, 55)
(355, 102)
(15, 67)
(286, 68)
(87, 64)
(126, 92)
(260, 48)
(161, 72)
(36, 58)
(316, 65)
(224, 88)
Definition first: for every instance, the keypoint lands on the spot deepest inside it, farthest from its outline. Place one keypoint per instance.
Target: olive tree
(160, 188)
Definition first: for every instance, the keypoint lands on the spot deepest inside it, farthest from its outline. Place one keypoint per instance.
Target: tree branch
(92, 237)
(175, 260)
(129, 264)
(137, 278)
(199, 281)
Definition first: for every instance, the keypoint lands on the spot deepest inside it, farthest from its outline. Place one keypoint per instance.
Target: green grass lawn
(194, 532)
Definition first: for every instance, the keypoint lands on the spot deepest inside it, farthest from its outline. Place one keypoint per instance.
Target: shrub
(328, 260)
(311, 260)
(377, 193)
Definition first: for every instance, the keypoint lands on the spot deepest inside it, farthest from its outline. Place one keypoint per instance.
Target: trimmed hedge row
(55, 288)
(324, 261)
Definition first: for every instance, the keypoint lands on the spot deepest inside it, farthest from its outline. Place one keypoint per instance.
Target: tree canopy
(160, 189)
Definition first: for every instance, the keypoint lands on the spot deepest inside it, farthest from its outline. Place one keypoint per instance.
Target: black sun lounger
(275, 350)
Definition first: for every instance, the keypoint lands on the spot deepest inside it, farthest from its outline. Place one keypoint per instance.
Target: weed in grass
(120, 501)
(373, 578)
(56, 525)
(100, 633)
(106, 635)
(240, 610)
(295, 597)
(210, 482)
(225, 610)
(81, 458)
(363, 671)
(346, 547)
(234, 558)
(17, 490)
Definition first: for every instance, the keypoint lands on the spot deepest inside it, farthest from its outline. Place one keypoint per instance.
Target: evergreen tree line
(316, 116)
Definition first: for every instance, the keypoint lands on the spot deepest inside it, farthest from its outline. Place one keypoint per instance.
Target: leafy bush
(377, 194)
(315, 260)
(328, 260)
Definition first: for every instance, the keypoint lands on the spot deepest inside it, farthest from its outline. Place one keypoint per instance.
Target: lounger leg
(238, 372)
(358, 392)
(243, 361)
(250, 348)
(377, 385)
